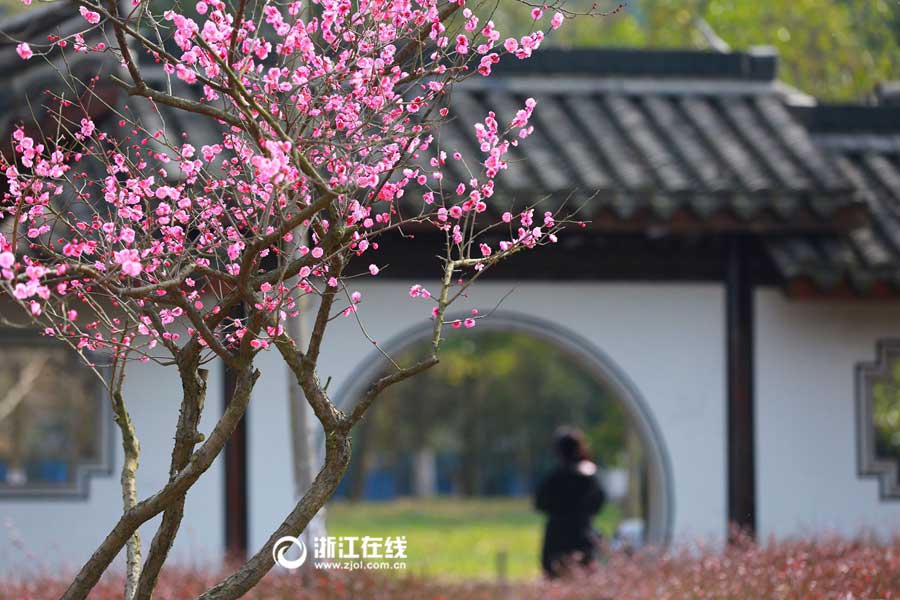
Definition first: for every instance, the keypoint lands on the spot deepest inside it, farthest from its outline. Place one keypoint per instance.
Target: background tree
(493, 403)
(833, 49)
(886, 415)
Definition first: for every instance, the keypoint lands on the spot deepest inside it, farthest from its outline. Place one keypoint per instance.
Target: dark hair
(571, 445)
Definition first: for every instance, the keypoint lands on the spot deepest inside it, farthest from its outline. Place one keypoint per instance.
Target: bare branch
(193, 381)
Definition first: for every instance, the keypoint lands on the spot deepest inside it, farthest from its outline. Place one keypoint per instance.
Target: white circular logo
(282, 546)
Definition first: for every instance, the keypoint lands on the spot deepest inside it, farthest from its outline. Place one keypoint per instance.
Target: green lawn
(454, 537)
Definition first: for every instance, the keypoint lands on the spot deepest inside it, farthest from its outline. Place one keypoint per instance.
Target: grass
(456, 538)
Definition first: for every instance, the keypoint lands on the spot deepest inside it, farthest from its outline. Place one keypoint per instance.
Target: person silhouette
(570, 495)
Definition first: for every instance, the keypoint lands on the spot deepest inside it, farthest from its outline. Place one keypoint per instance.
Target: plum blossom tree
(327, 115)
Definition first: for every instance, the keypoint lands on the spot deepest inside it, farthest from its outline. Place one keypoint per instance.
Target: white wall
(667, 338)
(53, 533)
(806, 439)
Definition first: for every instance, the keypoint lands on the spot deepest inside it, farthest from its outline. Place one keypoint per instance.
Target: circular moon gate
(660, 505)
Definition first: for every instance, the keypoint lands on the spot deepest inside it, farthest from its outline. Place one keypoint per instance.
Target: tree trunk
(424, 473)
(471, 467)
(361, 459)
(633, 508)
(337, 458)
(305, 459)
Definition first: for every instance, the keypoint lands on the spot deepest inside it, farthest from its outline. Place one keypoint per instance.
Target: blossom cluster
(324, 123)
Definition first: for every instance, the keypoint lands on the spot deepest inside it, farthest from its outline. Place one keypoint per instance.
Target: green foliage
(494, 401)
(457, 538)
(886, 414)
(833, 49)
(9, 8)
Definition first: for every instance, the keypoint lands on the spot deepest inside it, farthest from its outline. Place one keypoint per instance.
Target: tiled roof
(864, 143)
(671, 141)
(704, 139)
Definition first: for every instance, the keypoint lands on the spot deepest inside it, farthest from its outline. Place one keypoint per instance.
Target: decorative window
(55, 425)
(878, 418)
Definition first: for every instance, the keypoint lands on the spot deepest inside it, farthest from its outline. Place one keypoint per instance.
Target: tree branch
(337, 458)
(380, 385)
(193, 381)
(131, 448)
(145, 510)
(180, 103)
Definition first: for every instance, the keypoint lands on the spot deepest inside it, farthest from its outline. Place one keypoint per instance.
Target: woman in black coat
(570, 496)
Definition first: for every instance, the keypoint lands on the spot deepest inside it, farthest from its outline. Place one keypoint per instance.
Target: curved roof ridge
(755, 65)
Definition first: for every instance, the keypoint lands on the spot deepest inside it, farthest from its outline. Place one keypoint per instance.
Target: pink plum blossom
(557, 20)
(90, 16)
(24, 51)
(178, 221)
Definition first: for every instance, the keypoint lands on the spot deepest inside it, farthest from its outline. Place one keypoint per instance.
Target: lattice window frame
(887, 471)
(79, 487)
